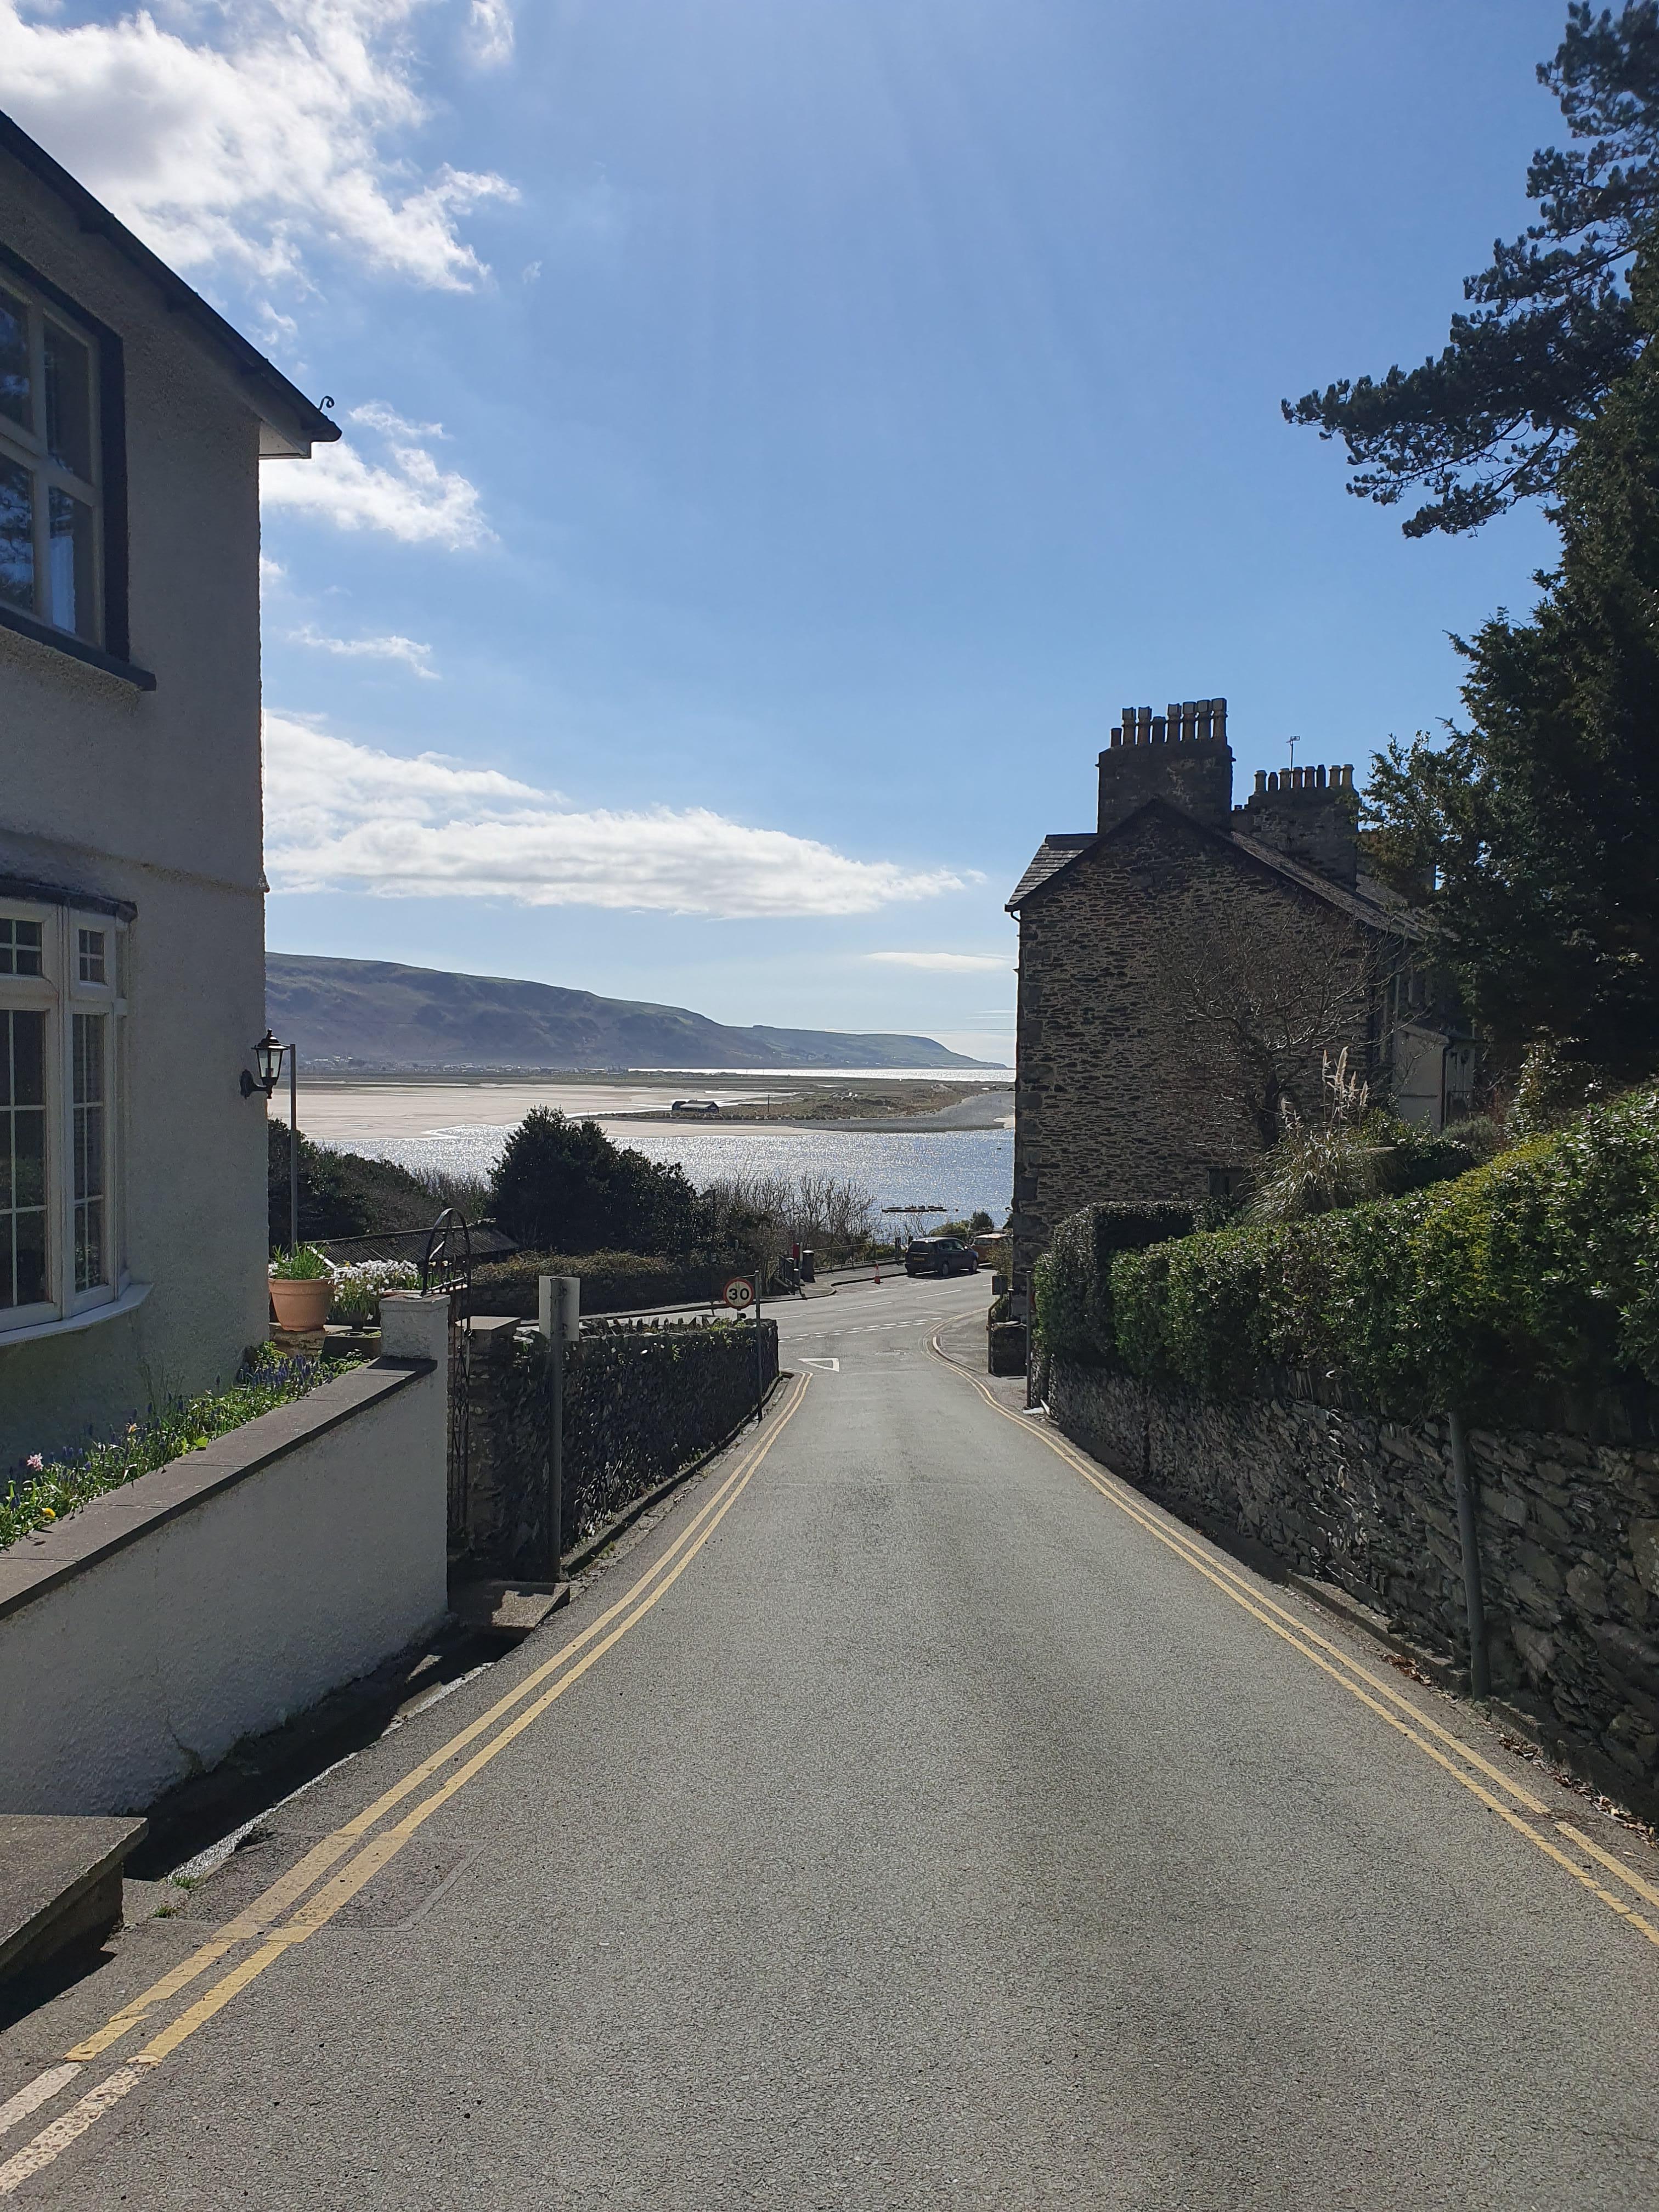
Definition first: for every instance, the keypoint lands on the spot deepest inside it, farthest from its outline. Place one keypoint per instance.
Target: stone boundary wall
(639, 1405)
(219, 1596)
(1569, 1539)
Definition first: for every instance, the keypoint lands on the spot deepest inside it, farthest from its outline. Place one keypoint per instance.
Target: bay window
(62, 1019)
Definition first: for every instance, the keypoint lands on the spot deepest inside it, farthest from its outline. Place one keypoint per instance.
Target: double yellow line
(362, 1859)
(1459, 1759)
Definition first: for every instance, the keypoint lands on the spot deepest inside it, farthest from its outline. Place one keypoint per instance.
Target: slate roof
(1061, 847)
(1052, 855)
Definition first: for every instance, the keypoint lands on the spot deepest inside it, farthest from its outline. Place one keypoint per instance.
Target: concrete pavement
(911, 1817)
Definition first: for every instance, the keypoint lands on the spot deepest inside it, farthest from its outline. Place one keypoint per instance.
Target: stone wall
(641, 1404)
(1569, 1532)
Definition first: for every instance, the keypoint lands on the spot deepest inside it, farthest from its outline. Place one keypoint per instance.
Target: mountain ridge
(382, 1017)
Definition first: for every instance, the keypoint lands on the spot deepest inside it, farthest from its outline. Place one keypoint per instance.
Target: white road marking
(36, 2156)
(830, 1366)
(35, 2094)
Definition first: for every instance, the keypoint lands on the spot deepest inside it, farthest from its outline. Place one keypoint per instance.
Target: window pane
(69, 402)
(91, 956)
(20, 947)
(74, 590)
(23, 1158)
(89, 1109)
(14, 361)
(16, 536)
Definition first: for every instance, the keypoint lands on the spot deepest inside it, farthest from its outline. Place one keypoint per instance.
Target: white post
(558, 1317)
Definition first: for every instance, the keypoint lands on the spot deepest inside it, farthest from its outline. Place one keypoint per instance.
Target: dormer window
(51, 496)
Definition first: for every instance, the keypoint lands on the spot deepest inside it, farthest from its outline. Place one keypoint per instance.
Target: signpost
(741, 1293)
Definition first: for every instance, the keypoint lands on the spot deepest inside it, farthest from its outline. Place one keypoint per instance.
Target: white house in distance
(132, 1167)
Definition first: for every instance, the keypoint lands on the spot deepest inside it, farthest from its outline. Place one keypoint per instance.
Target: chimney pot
(1261, 781)
(1160, 731)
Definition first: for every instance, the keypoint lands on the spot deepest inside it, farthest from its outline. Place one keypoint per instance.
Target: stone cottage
(1187, 966)
(133, 420)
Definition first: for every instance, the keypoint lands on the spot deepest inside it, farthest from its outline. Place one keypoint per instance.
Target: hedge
(1073, 1277)
(1540, 1270)
(612, 1282)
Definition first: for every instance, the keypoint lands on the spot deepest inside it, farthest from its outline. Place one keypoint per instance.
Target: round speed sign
(740, 1292)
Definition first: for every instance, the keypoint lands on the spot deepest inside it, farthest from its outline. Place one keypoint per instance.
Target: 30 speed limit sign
(740, 1292)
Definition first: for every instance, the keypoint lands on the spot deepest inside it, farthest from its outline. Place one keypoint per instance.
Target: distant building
(1187, 966)
(132, 1170)
(700, 1109)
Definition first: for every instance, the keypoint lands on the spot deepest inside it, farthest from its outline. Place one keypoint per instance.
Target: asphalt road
(935, 1826)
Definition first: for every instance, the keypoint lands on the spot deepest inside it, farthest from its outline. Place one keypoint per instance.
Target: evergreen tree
(562, 1186)
(1539, 822)
(1493, 418)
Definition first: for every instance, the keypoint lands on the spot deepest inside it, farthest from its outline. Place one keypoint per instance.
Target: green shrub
(558, 1177)
(1539, 1268)
(347, 1194)
(612, 1282)
(308, 1265)
(1071, 1283)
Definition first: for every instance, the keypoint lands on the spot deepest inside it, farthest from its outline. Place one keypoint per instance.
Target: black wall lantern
(268, 1057)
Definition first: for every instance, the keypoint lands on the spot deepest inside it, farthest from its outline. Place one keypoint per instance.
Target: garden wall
(1568, 1531)
(639, 1404)
(214, 1599)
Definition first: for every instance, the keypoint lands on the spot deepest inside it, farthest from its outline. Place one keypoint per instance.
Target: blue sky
(780, 434)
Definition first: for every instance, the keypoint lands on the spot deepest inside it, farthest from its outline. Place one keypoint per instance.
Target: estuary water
(960, 1170)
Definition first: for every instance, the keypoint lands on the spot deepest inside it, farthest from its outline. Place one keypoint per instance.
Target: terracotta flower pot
(300, 1304)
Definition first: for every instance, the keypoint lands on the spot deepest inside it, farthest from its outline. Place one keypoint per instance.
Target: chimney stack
(1179, 756)
(1309, 814)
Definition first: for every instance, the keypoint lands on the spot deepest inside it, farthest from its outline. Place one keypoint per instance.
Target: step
(60, 1883)
(507, 1610)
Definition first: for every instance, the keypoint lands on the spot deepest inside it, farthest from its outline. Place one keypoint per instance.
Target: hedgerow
(1073, 1277)
(1538, 1270)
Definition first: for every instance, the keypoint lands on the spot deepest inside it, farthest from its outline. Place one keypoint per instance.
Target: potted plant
(300, 1285)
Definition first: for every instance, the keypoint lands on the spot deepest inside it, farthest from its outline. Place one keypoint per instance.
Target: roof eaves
(277, 403)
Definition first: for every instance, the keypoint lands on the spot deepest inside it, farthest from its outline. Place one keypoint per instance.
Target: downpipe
(1468, 1536)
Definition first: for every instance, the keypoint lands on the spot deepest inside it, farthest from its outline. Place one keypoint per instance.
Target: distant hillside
(373, 1015)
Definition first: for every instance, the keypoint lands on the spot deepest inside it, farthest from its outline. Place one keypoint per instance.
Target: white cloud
(948, 964)
(406, 494)
(489, 27)
(249, 137)
(346, 817)
(409, 650)
(270, 571)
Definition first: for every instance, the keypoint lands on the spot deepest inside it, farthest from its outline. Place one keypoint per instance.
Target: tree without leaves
(1490, 421)
(1267, 1000)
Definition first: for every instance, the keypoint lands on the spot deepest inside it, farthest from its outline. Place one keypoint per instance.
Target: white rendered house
(132, 1167)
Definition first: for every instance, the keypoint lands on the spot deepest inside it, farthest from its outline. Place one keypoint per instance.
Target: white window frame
(29, 448)
(58, 993)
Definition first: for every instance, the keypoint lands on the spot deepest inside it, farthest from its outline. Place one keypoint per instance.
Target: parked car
(940, 1255)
